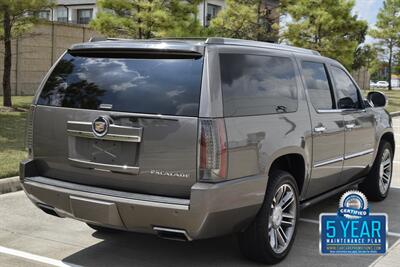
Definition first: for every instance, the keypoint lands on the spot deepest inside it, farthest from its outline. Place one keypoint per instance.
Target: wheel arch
(389, 137)
(385, 136)
(292, 160)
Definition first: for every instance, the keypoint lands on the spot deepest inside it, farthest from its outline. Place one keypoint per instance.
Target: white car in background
(372, 84)
(382, 84)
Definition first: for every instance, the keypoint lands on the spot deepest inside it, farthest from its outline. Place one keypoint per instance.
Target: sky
(367, 10)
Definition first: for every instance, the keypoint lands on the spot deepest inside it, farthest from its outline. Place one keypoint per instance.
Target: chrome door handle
(350, 126)
(320, 129)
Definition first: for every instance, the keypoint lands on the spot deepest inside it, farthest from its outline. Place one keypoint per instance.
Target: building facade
(83, 11)
(208, 10)
(71, 11)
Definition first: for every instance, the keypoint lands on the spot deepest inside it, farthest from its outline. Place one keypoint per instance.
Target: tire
(258, 241)
(102, 229)
(376, 185)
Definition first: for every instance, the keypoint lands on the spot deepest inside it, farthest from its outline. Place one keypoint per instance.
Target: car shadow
(133, 249)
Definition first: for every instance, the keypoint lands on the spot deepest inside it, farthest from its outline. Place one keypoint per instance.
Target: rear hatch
(121, 121)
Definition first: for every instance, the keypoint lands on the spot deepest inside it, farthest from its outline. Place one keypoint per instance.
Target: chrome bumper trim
(107, 194)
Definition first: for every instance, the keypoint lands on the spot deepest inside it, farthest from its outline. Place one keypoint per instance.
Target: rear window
(169, 86)
(257, 85)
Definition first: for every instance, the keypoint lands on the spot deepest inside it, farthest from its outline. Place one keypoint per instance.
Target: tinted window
(317, 83)
(254, 85)
(157, 86)
(347, 92)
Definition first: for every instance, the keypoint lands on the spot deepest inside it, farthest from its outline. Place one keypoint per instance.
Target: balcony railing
(81, 21)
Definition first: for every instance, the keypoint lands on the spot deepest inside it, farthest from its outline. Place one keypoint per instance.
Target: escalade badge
(100, 126)
(170, 173)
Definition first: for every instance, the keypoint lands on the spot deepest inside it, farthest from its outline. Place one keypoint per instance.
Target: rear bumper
(212, 210)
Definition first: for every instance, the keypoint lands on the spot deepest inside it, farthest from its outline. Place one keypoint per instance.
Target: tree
(144, 19)
(387, 30)
(248, 19)
(16, 19)
(364, 56)
(396, 63)
(184, 19)
(364, 62)
(327, 26)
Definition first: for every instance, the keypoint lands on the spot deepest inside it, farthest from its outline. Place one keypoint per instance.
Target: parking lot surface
(29, 237)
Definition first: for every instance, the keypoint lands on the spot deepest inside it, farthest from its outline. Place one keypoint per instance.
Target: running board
(314, 200)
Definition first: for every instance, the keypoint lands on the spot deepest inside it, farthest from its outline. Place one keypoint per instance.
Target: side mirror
(367, 104)
(346, 103)
(377, 99)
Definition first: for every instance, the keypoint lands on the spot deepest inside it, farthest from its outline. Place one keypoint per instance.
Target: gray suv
(193, 139)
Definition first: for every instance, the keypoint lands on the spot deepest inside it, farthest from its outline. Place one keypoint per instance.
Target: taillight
(213, 165)
(29, 131)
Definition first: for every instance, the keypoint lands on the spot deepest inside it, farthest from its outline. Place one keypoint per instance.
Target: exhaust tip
(172, 234)
(47, 209)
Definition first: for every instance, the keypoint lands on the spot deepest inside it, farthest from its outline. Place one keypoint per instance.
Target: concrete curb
(391, 258)
(8, 185)
(395, 114)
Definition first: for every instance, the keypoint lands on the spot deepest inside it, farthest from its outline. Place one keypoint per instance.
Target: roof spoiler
(218, 40)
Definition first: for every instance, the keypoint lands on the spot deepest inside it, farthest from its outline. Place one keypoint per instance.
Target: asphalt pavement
(29, 237)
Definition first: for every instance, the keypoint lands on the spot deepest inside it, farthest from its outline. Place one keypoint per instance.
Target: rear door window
(169, 86)
(257, 84)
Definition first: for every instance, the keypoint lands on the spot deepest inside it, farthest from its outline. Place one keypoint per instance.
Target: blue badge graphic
(353, 229)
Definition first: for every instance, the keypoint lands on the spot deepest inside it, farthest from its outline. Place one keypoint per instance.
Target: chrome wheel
(282, 219)
(385, 171)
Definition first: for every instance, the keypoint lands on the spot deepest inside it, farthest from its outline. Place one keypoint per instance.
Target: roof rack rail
(97, 39)
(102, 38)
(231, 41)
(181, 38)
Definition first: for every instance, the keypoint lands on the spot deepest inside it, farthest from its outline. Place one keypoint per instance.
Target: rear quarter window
(169, 86)
(257, 84)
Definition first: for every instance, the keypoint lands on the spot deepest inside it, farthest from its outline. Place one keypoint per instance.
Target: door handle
(350, 126)
(320, 129)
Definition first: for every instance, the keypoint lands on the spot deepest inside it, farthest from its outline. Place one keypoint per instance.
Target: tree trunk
(258, 20)
(139, 21)
(390, 66)
(7, 60)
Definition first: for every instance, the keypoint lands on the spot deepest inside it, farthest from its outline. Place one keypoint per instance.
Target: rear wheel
(269, 238)
(376, 185)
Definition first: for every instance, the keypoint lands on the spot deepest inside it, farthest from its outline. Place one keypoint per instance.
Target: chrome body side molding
(338, 159)
(327, 162)
(359, 154)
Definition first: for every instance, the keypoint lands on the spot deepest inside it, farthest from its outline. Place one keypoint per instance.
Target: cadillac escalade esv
(193, 139)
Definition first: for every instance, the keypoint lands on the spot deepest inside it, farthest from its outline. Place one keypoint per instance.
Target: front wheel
(269, 238)
(376, 185)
